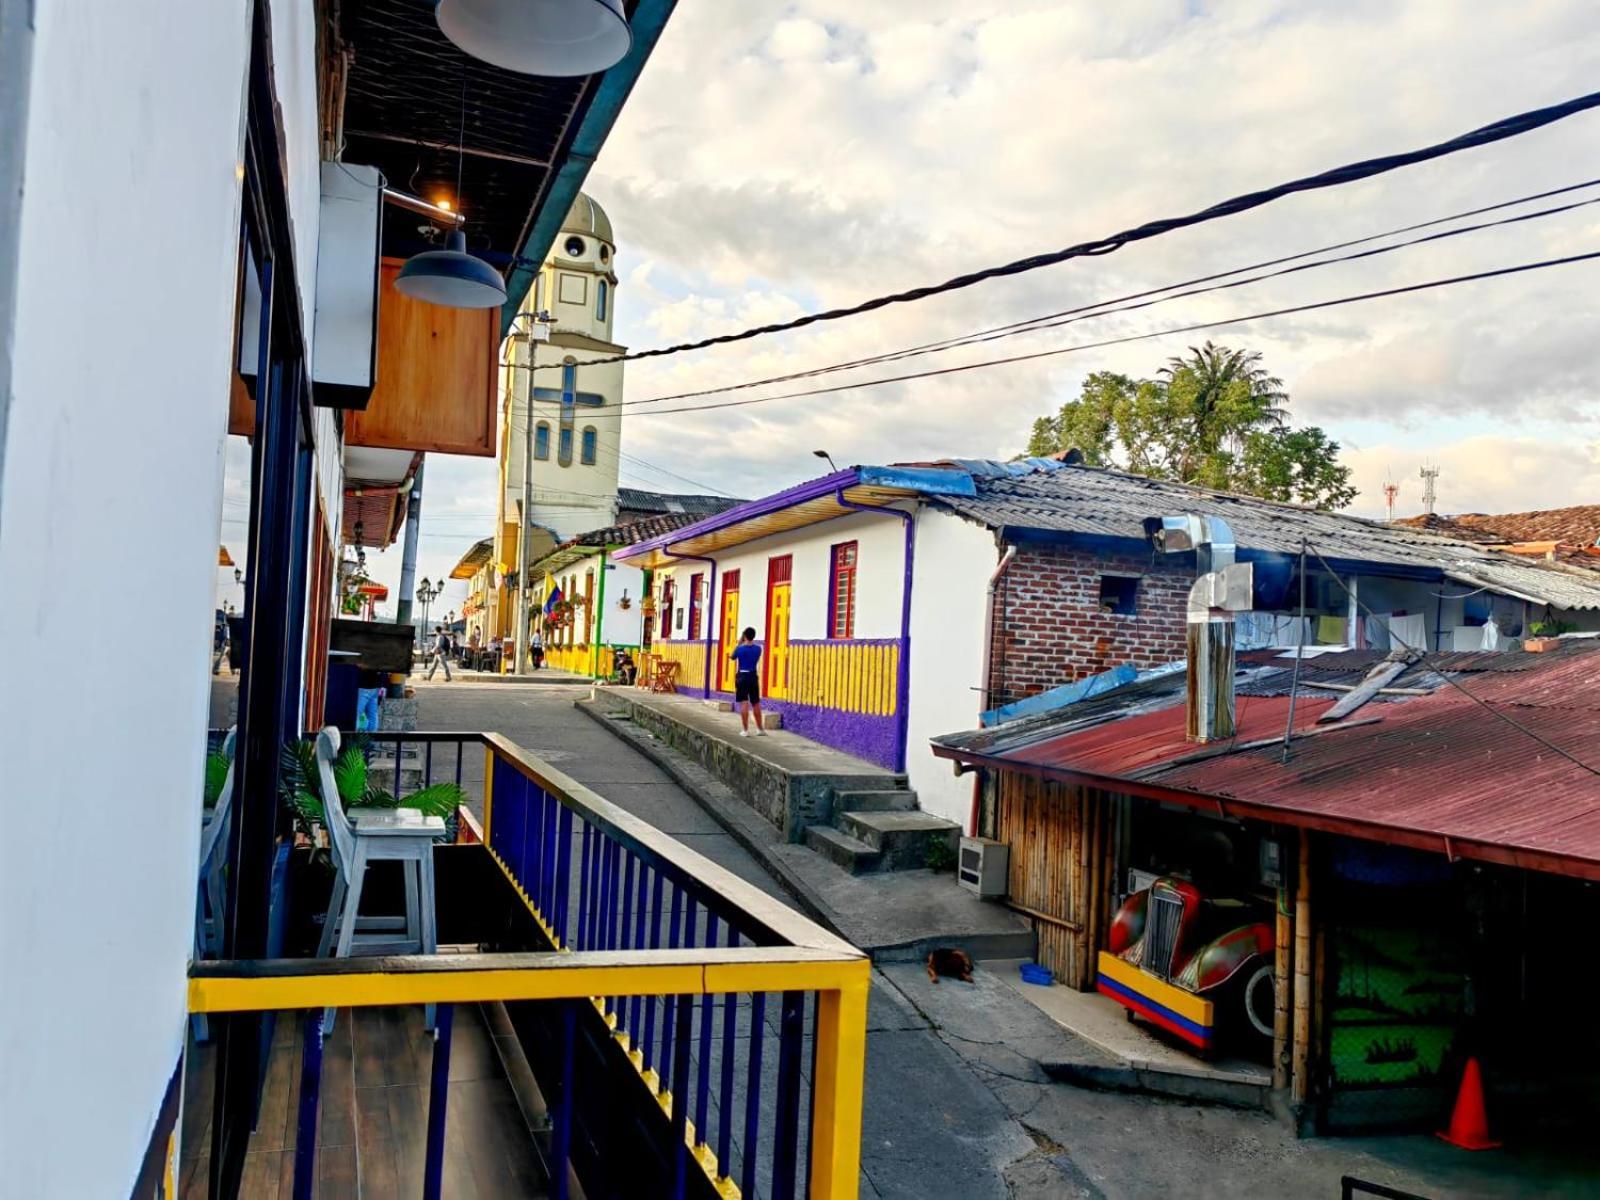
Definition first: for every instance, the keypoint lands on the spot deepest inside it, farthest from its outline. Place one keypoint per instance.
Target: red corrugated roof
(1437, 771)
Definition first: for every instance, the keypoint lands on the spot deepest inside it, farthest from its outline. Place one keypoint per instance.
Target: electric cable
(1500, 130)
(1139, 337)
(1444, 674)
(1129, 303)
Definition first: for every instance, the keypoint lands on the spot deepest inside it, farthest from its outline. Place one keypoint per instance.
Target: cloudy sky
(780, 158)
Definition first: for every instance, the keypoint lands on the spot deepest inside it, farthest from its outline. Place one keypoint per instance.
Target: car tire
(1258, 1000)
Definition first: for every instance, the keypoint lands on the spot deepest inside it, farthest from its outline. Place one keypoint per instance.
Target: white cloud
(1479, 474)
(776, 159)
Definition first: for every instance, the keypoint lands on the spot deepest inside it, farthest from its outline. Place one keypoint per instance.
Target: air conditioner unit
(983, 867)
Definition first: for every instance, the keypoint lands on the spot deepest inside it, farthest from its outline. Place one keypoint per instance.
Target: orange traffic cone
(1469, 1123)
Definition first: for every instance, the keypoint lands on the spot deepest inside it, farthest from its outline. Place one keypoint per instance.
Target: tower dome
(586, 218)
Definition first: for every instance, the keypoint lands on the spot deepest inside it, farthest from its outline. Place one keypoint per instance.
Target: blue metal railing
(735, 1107)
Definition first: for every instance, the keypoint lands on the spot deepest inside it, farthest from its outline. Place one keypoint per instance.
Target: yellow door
(778, 643)
(728, 631)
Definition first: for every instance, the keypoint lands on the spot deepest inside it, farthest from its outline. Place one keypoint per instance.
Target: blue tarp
(1059, 697)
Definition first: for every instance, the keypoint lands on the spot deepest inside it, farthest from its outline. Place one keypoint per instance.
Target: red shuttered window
(842, 600)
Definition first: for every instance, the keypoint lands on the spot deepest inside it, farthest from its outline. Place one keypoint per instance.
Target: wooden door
(728, 630)
(779, 574)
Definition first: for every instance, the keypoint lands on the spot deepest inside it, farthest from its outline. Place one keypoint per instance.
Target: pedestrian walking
(747, 682)
(536, 650)
(441, 653)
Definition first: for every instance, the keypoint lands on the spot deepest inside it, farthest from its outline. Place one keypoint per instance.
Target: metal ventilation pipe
(1222, 588)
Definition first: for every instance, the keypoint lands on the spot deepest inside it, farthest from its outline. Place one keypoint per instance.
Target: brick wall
(1049, 629)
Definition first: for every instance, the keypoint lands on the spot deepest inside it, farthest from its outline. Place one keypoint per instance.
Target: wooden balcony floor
(373, 1114)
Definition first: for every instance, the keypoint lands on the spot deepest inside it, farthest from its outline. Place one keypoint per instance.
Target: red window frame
(696, 585)
(666, 609)
(842, 590)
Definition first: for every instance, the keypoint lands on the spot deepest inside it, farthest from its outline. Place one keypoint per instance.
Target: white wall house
(121, 125)
(1081, 592)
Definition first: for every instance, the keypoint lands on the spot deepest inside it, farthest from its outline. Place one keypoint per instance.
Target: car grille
(1161, 932)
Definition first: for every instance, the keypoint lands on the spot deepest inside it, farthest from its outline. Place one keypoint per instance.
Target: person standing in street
(441, 653)
(747, 682)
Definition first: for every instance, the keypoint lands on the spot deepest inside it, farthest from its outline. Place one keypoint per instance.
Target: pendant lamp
(539, 37)
(451, 277)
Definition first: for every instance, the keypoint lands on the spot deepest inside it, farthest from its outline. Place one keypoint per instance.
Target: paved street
(956, 1102)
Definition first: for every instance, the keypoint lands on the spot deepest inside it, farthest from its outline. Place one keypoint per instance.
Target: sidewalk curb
(746, 827)
(1132, 1076)
(757, 837)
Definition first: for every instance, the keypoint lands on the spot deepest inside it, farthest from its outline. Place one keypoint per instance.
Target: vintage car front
(1189, 964)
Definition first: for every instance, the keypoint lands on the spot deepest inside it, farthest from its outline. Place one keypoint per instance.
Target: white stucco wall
(953, 561)
(880, 574)
(131, 175)
(618, 625)
(294, 75)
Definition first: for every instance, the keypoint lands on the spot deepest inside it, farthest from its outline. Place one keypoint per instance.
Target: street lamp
(829, 457)
(238, 576)
(427, 593)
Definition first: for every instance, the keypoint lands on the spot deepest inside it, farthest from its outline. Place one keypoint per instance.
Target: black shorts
(747, 688)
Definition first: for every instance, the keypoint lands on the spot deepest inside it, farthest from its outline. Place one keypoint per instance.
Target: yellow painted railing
(857, 677)
(690, 657)
(575, 859)
(568, 658)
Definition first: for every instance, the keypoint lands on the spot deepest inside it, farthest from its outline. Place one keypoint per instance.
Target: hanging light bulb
(451, 277)
(539, 37)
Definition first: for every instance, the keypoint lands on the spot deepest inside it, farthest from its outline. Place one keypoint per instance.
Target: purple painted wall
(873, 738)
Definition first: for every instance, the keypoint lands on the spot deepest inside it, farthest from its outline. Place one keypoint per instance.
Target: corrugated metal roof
(1049, 497)
(638, 500)
(1440, 770)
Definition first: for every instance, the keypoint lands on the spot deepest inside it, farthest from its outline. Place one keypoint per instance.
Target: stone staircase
(880, 831)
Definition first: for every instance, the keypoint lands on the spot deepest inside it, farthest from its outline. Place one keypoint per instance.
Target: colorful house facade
(587, 606)
(897, 603)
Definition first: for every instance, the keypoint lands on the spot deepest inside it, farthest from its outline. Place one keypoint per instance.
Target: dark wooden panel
(381, 645)
(436, 377)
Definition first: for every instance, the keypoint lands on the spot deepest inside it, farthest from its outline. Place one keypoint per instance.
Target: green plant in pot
(216, 775)
(351, 775)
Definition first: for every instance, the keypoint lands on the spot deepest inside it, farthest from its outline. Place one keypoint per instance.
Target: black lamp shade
(451, 277)
(539, 37)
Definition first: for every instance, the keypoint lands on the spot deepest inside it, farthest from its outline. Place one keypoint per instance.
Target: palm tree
(1226, 394)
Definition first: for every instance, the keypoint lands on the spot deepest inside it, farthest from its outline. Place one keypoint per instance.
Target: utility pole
(538, 332)
(408, 561)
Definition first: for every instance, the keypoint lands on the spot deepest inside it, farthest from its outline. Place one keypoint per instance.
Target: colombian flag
(552, 595)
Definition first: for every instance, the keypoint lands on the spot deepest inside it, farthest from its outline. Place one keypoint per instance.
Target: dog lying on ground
(955, 963)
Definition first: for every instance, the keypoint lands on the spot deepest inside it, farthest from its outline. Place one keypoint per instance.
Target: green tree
(1214, 418)
(1298, 466)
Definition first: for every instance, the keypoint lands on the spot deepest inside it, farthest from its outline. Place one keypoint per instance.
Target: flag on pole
(552, 595)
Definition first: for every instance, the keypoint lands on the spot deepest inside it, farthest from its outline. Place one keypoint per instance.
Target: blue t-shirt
(746, 655)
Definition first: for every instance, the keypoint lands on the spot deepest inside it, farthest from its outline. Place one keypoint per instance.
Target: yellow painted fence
(857, 677)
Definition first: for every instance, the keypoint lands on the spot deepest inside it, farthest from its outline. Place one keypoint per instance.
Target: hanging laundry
(1408, 630)
(1331, 631)
(1375, 630)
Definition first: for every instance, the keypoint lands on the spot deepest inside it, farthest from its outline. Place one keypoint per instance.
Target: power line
(1138, 300)
(1508, 127)
(1445, 675)
(1138, 337)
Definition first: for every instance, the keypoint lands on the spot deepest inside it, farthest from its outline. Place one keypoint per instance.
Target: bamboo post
(1300, 1084)
(1280, 990)
(1094, 803)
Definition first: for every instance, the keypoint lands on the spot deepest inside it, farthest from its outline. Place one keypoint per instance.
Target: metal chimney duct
(1222, 588)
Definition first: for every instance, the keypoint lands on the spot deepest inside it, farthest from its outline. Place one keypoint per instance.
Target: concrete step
(851, 853)
(899, 800)
(903, 837)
